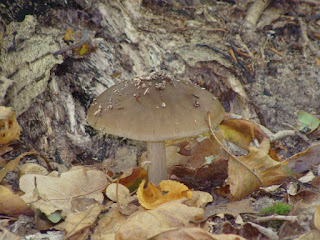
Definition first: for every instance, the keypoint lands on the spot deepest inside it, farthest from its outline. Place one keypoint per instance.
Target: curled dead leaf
(168, 190)
(13, 164)
(241, 132)
(119, 193)
(9, 127)
(11, 204)
(260, 170)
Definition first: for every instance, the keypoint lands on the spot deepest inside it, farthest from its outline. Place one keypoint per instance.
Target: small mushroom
(143, 119)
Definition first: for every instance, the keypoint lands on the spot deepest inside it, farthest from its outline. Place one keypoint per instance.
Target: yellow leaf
(168, 190)
(11, 204)
(9, 127)
(68, 35)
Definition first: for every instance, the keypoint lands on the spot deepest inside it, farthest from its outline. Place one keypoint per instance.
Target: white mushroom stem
(158, 167)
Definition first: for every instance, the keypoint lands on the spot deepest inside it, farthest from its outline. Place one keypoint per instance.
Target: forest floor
(260, 58)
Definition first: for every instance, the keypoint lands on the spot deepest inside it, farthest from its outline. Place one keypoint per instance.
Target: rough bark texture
(51, 94)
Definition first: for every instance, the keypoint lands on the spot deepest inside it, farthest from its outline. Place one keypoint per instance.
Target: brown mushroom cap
(155, 109)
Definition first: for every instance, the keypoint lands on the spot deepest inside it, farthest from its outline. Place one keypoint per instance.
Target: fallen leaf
(13, 164)
(3, 150)
(149, 223)
(168, 190)
(12, 204)
(194, 234)
(51, 194)
(133, 180)
(76, 222)
(83, 44)
(304, 161)
(203, 167)
(9, 127)
(202, 178)
(258, 169)
(249, 231)
(108, 225)
(32, 168)
(199, 199)
(233, 208)
(307, 178)
(118, 193)
(303, 205)
(307, 122)
(241, 132)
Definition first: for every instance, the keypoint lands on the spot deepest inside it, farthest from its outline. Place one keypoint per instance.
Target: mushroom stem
(157, 156)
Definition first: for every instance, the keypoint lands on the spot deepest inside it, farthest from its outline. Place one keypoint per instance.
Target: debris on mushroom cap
(162, 108)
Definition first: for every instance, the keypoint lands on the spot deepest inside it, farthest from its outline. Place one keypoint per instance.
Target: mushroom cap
(156, 108)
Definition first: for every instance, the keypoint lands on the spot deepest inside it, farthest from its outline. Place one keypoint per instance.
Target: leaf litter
(73, 201)
(76, 197)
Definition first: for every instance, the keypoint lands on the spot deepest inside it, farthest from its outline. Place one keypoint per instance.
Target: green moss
(278, 208)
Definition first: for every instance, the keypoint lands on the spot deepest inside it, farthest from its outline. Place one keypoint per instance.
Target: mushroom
(155, 109)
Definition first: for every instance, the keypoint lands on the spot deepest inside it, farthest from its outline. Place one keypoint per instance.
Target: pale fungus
(183, 113)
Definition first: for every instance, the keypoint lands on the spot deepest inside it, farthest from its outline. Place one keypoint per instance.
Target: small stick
(291, 219)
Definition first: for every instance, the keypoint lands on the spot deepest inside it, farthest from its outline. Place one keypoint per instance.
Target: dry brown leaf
(76, 222)
(317, 218)
(119, 193)
(149, 223)
(199, 199)
(241, 132)
(306, 160)
(168, 190)
(9, 127)
(11, 204)
(4, 149)
(194, 154)
(232, 208)
(241, 180)
(50, 194)
(194, 234)
(204, 164)
(13, 164)
(32, 168)
(107, 226)
(260, 169)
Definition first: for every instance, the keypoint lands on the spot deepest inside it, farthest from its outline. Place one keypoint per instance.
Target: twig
(242, 68)
(305, 37)
(85, 36)
(282, 134)
(291, 219)
(304, 137)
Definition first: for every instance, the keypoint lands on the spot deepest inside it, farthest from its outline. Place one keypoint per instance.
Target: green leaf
(55, 217)
(307, 122)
